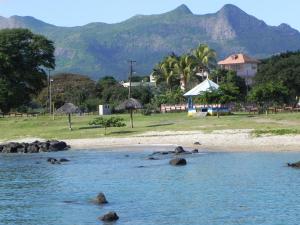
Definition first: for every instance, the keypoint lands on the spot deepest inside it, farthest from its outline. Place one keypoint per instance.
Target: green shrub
(107, 122)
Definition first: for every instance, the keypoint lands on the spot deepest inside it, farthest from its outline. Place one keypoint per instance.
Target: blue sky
(80, 12)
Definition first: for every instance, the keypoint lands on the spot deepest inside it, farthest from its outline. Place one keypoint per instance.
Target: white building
(244, 65)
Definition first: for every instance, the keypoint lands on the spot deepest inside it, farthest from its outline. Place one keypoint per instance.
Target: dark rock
(101, 199)
(195, 151)
(110, 217)
(295, 165)
(64, 160)
(58, 146)
(53, 161)
(44, 147)
(178, 162)
(179, 150)
(33, 148)
(10, 147)
(153, 158)
(197, 143)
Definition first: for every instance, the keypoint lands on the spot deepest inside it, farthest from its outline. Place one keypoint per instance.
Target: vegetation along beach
(164, 113)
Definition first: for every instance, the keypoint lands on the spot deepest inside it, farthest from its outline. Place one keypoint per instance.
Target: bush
(107, 122)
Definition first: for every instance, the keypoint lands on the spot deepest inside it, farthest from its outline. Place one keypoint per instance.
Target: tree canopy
(75, 88)
(24, 59)
(283, 69)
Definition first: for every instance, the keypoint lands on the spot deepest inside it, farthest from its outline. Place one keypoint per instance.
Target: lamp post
(50, 91)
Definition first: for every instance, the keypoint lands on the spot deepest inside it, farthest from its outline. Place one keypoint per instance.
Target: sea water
(212, 189)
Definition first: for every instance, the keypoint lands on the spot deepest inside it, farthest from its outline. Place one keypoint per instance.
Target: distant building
(137, 84)
(244, 66)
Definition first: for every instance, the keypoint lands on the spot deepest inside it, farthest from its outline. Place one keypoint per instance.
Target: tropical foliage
(177, 71)
(24, 58)
(283, 69)
(269, 94)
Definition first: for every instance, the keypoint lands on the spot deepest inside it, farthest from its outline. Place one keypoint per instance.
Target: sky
(81, 12)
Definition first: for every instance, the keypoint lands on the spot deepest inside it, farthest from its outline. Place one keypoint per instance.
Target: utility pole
(50, 92)
(130, 76)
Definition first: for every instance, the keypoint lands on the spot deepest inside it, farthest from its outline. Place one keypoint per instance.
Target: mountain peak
(182, 9)
(230, 9)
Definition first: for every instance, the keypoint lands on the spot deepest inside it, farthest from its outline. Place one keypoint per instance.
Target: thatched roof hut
(130, 103)
(68, 108)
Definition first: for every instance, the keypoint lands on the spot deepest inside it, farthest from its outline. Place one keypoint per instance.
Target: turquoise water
(213, 189)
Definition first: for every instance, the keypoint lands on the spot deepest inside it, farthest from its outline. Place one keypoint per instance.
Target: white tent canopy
(206, 85)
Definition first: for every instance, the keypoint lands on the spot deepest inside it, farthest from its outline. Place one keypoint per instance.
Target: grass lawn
(45, 127)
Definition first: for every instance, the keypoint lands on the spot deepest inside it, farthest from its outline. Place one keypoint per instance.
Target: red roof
(238, 59)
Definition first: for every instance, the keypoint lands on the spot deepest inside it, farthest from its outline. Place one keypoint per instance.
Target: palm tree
(205, 58)
(164, 71)
(185, 68)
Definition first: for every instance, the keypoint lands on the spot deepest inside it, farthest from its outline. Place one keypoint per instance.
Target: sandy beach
(224, 140)
(220, 140)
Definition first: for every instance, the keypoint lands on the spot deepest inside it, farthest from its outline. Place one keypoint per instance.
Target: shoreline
(219, 140)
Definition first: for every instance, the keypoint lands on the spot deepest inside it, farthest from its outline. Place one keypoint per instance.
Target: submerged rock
(295, 165)
(179, 150)
(101, 199)
(64, 160)
(195, 151)
(109, 217)
(178, 162)
(153, 158)
(53, 161)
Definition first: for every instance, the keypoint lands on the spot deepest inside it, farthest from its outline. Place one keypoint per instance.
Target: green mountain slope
(99, 49)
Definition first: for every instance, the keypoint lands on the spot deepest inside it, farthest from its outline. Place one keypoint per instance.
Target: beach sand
(223, 140)
(219, 140)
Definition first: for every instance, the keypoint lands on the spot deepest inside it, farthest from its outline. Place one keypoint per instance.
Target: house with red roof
(244, 65)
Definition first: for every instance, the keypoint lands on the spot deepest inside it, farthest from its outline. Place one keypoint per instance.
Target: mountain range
(99, 49)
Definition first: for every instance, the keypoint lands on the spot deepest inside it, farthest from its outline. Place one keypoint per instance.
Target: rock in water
(53, 161)
(110, 217)
(153, 158)
(296, 165)
(195, 151)
(58, 145)
(64, 160)
(178, 162)
(33, 147)
(179, 150)
(101, 199)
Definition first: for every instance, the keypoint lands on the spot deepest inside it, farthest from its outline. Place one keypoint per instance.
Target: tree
(226, 77)
(108, 122)
(24, 57)
(75, 88)
(164, 72)
(205, 58)
(284, 69)
(185, 68)
(268, 94)
(105, 83)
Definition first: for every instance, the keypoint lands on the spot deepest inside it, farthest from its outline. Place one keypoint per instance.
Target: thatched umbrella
(69, 109)
(130, 104)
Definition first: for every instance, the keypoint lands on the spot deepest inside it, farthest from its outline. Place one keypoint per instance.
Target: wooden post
(70, 123)
(131, 118)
